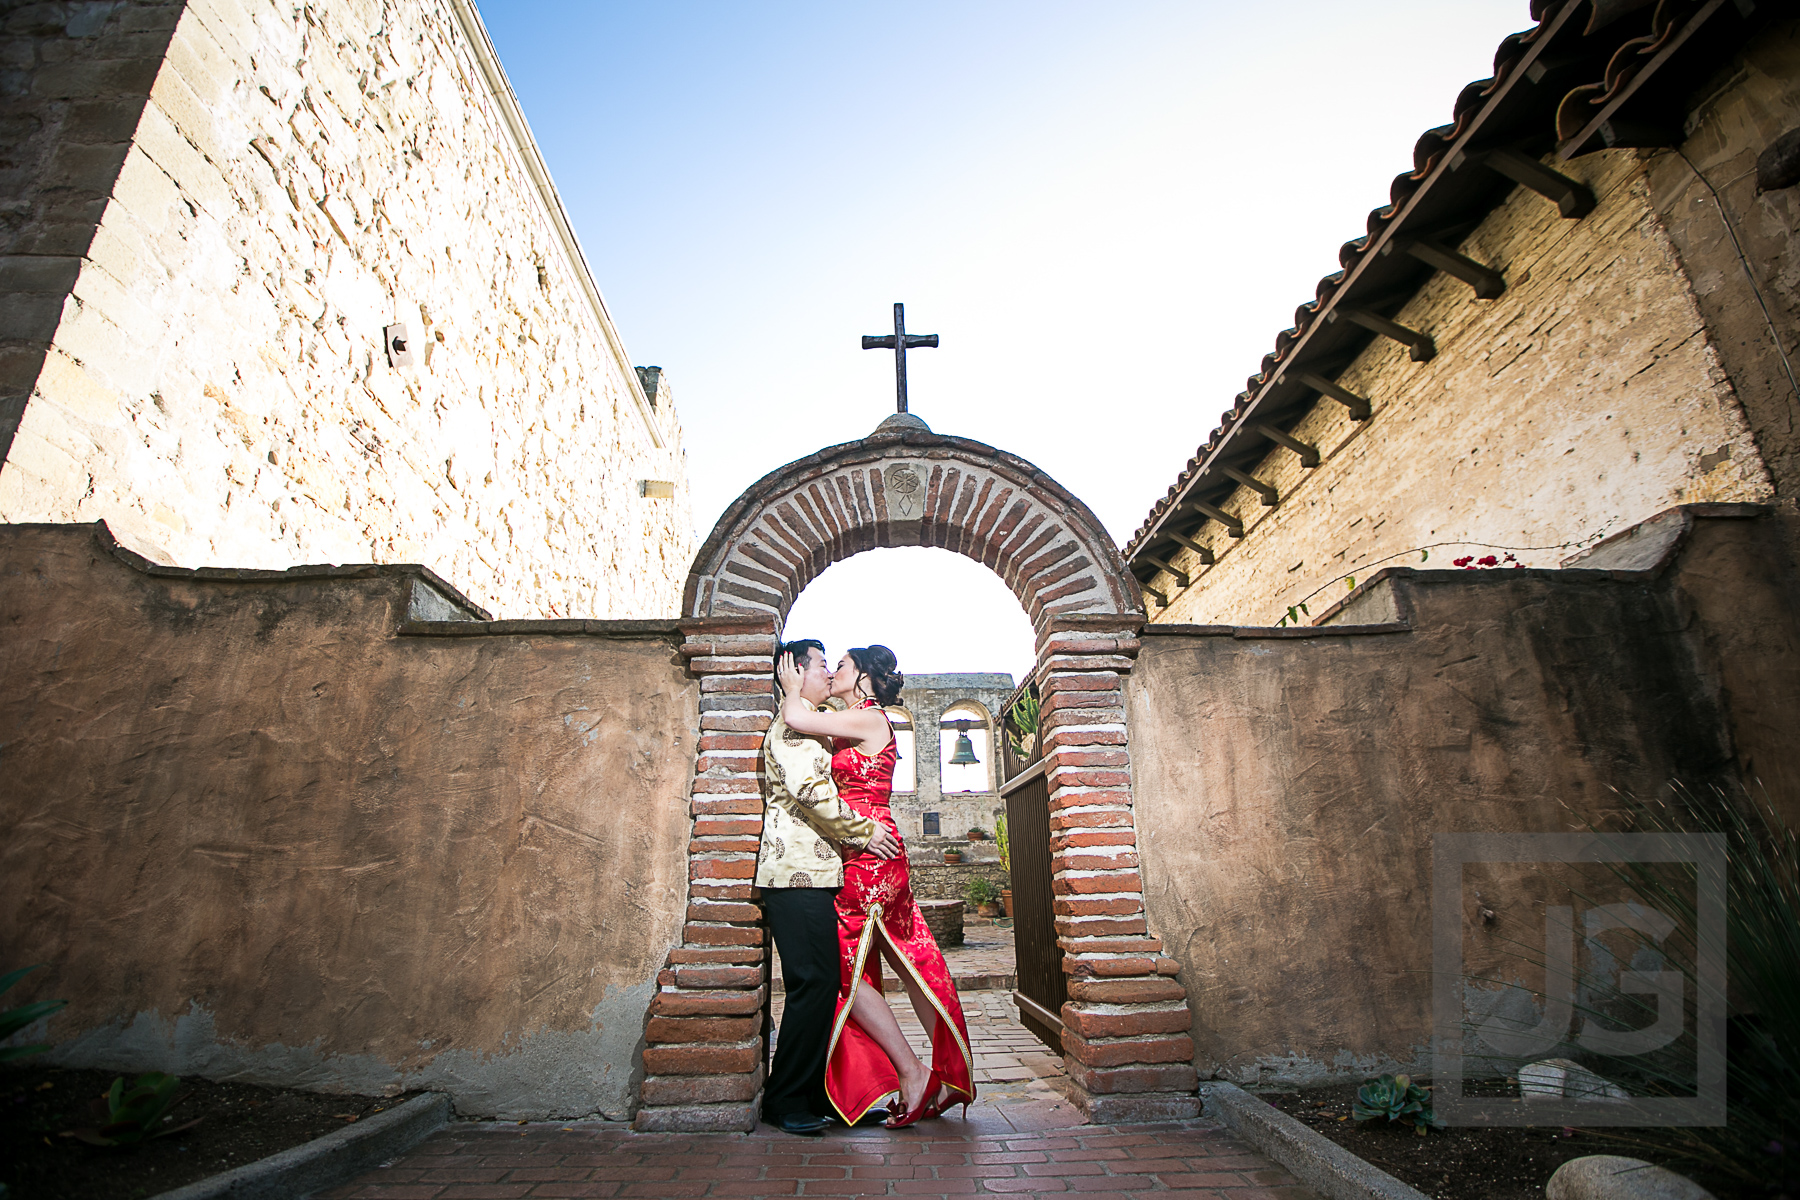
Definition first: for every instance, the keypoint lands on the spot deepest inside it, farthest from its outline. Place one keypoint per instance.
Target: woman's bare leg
(921, 1005)
(927, 1012)
(872, 1014)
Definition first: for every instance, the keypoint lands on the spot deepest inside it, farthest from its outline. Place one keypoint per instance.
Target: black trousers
(804, 925)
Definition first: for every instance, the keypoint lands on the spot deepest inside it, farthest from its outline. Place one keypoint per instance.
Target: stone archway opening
(1123, 1027)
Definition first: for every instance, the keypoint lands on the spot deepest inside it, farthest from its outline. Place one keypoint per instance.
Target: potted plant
(952, 857)
(1005, 847)
(984, 896)
(977, 833)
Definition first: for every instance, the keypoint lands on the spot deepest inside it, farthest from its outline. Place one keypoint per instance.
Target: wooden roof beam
(1573, 200)
(1270, 497)
(1180, 576)
(1309, 453)
(1204, 553)
(1358, 405)
(1423, 348)
(1162, 601)
(1488, 283)
(1232, 525)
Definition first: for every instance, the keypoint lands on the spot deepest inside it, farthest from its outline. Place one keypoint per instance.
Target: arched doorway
(1123, 1028)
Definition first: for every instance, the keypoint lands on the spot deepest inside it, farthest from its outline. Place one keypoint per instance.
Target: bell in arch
(964, 755)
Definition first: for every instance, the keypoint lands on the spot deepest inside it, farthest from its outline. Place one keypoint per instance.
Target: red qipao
(877, 903)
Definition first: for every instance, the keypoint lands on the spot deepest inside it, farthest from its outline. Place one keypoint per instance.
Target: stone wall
(267, 827)
(1584, 399)
(74, 79)
(1289, 782)
(949, 881)
(295, 179)
(925, 698)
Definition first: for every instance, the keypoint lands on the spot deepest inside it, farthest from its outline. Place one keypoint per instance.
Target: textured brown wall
(1288, 787)
(255, 833)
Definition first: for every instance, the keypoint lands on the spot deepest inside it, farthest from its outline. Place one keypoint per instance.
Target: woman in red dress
(878, 918)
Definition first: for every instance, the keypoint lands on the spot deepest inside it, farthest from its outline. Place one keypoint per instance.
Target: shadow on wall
(328, 828)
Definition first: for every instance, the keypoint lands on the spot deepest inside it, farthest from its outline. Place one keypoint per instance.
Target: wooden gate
(1042, 984)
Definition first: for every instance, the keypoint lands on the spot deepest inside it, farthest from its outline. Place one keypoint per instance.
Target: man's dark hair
(798, 649)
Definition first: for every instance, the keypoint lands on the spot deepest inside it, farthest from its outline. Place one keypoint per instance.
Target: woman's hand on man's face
(788, 675)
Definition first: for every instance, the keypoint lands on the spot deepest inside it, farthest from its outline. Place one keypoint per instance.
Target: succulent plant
(136, 1114)
(1397, 1098)
(15, 1019)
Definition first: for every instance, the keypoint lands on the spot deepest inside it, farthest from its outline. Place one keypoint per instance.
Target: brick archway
(1124, 1026)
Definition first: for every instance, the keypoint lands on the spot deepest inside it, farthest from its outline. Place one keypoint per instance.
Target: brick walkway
(1016, 1076)
(944, 1158)
(984, 960)
(1021, 1137)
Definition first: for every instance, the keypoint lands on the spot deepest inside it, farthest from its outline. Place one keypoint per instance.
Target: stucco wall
(1584, 399)
(256, 833)
(216, 386)
(1287, 787)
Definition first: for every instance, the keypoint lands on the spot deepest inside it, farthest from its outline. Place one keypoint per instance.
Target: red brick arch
(911, 487)
(1124, 1028)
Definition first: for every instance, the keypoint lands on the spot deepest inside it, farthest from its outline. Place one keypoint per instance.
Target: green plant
(980, 891)
(138, 1113)
(1022, 723)
(1397, 1098)
(1005, 846)
(15, 1019)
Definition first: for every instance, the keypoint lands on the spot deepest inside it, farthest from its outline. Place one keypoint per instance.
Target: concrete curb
(325, 1162)
(1312, 1158)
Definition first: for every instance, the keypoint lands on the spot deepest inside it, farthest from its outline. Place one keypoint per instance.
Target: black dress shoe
(875, 1116)
(802, 1123)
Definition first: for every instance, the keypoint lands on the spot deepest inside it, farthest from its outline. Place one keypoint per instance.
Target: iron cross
(900, 342)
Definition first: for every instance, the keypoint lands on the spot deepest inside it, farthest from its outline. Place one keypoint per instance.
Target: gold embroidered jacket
(802, 815)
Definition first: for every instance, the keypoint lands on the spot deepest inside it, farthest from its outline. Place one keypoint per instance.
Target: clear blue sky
(1107, 212)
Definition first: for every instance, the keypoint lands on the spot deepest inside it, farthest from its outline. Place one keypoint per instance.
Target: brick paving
(1016, 1075)
(946, 1158)
(984, 960)
(1021, 1137)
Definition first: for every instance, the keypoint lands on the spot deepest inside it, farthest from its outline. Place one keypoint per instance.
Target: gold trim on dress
(870, 920)
(943, 1013)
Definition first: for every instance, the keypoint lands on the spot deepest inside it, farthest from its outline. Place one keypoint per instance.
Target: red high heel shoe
(951, 1100)
(917, 1113)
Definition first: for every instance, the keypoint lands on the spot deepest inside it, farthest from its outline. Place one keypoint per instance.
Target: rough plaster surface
(1583, 400)
(1287, 787)
(256, 833)
(277, 187)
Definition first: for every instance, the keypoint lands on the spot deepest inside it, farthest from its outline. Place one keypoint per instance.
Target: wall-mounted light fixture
(399, 345)
(657, 489)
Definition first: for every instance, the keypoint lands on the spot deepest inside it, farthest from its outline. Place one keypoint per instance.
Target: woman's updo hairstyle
(879, 664)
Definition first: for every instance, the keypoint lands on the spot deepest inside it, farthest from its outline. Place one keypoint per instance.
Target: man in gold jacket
(799, 870)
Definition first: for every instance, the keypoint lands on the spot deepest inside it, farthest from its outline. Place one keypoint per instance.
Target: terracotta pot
(987, 910)
(973, 836)
(1006, 901)
(952, 857)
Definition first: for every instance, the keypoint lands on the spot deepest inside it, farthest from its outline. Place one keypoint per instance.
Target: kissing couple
(838, 898)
